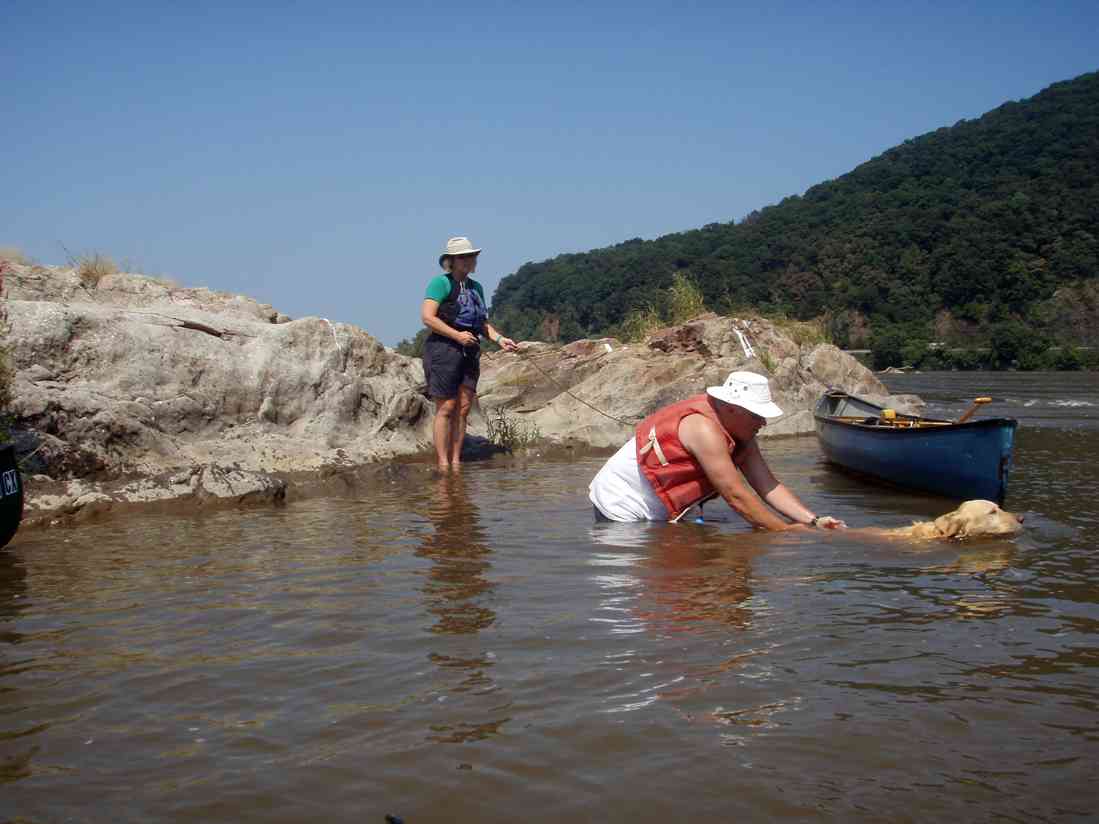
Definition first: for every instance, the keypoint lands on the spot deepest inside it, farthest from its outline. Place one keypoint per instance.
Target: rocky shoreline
(131, 392)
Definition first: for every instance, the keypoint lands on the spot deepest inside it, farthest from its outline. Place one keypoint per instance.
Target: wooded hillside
(948, 234)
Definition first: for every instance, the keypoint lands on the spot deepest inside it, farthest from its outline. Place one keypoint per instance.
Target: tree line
(989, 224)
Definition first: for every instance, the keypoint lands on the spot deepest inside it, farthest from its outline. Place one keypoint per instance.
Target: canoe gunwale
(940, 425)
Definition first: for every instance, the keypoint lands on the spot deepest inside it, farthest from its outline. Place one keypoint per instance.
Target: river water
(475, 649)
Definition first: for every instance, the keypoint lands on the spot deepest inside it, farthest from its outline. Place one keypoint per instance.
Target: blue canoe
(958, 460)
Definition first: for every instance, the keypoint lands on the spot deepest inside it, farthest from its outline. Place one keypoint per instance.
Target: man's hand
(828, 522)
(466, 338)
(507, 344)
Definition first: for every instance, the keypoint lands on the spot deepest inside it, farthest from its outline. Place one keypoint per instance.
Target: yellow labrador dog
(973, 519)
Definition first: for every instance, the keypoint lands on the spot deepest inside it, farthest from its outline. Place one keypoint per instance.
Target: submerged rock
(65, 502)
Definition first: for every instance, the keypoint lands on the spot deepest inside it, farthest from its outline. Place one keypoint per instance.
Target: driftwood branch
(200, 327)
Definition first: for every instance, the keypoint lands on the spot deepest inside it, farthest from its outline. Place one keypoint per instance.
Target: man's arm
(774, 492)
(705, 441)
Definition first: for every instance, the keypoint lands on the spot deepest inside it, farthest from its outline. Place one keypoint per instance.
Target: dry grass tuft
(509, 432)
(93, 268)
(801, 332)
(13, 254)
(806, 332)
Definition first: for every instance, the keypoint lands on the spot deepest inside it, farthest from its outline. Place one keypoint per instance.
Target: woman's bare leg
(446, 414)
(458, 432)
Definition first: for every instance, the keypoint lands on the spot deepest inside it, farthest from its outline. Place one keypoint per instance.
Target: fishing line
(531, 359)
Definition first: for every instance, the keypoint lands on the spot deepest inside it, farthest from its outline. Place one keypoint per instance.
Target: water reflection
(695, 577)
(700, 576)
(459, 554)
(15, 761)
(13, 590)
(456, 589)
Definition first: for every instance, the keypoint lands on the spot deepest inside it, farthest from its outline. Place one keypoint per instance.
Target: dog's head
(976, 519)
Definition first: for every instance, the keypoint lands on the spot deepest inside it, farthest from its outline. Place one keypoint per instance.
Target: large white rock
(140, 377)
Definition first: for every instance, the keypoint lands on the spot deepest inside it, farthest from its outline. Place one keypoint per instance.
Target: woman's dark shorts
(448, 365)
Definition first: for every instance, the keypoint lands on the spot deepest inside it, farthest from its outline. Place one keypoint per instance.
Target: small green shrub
(638, 324)
(685, 300)
(510, 433)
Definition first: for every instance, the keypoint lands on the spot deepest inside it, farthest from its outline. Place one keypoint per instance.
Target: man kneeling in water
(688, 452)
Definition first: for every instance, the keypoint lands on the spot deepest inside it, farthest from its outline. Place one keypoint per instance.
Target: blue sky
(317, 156)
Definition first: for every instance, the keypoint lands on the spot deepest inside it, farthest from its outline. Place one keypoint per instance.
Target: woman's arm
(429, 314)
(497, 337)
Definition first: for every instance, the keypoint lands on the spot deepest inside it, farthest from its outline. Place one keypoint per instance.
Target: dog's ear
(950, 525)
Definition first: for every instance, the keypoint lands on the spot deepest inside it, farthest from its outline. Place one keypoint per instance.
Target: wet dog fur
(973, 519)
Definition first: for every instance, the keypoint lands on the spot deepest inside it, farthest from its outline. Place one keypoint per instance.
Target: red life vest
(674, 474)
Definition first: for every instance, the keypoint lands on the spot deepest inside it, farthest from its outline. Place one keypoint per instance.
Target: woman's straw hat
(457, 246)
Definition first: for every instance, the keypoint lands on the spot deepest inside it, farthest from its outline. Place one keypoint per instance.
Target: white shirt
(622, 493)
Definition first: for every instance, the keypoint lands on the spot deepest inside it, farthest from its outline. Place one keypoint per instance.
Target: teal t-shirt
(439, 288)
(468, 310)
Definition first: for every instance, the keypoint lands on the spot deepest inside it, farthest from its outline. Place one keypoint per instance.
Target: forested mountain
(953, 232)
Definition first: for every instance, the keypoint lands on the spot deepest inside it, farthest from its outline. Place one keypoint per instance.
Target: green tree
(887, 347)
(1015, 345)
(414, 347)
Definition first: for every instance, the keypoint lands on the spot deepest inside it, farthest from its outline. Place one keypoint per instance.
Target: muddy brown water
(477, 650)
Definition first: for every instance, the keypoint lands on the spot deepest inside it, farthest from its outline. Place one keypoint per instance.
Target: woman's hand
(466, 338)
(828, 522)
(507, 344)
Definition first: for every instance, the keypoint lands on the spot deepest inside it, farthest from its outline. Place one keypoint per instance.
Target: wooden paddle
(977, 403)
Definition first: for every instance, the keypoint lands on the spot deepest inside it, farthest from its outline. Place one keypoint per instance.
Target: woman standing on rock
(454, 310)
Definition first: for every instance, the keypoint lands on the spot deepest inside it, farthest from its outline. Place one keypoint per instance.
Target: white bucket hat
(749, 390)
(457, 246)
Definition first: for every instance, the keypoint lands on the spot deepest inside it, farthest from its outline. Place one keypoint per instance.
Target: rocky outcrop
(565, 391)
(134, 377)
(130, 390)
